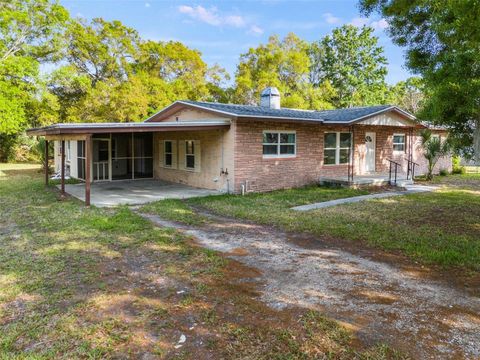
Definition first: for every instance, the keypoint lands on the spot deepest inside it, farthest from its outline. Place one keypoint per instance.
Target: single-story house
(242, 148)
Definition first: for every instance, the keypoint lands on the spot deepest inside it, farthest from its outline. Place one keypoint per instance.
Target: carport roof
(99, 128)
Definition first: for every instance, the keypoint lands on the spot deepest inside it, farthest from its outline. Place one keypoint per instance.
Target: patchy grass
(174, 210)
(105, 283)
(440, 227)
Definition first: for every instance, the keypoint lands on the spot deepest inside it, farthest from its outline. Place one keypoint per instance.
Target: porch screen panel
(143, 155)
(122, 166)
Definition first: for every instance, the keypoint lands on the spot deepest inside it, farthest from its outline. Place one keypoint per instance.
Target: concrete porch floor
(377, 179)
(135, 192)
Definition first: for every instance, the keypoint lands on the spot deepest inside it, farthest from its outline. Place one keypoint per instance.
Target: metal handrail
(411, 168)
(390, 171)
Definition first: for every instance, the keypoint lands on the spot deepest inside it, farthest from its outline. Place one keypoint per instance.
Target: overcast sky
(222, 30)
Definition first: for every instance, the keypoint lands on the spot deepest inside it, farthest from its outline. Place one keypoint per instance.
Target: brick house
(242, 148)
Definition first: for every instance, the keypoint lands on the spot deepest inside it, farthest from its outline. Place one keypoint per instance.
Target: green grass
(174, 210)
(438, 228)
(104, 283)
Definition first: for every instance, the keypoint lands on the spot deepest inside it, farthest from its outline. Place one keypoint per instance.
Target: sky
(222, 30)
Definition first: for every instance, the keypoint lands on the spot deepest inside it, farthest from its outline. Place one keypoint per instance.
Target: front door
(370, 140)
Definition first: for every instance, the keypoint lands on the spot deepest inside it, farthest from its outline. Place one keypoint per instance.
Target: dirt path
(380, 302)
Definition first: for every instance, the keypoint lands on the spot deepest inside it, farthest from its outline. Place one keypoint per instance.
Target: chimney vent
(270, 98)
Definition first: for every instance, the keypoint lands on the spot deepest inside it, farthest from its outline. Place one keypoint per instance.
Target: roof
(338, 116)
(98, 128)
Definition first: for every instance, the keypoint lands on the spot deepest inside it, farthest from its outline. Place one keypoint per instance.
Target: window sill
(331, 165)
(275, 157)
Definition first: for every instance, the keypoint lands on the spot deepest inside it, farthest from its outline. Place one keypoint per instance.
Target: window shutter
(181, 154)
(161, 153)
(174, 154)
(198, 155)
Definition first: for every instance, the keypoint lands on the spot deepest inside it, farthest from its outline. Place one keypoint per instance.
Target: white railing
(102, 170)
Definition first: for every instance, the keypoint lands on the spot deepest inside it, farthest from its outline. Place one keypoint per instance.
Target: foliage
(409, 94)
(443, 45)
(351, 59)
(433, 149)
(30, 32)
(457, 168)
(284, 64)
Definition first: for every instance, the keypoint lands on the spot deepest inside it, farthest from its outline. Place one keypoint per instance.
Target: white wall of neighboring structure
(71, 163)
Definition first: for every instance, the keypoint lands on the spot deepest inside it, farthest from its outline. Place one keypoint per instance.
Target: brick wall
(264, 174)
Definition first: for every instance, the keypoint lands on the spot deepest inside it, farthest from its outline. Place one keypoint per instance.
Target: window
(398, 142)
(168, 153)
(436, 136)
(337, 148)
(279, 144)
(189, 154)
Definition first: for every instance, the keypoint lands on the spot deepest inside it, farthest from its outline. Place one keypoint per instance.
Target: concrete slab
(410, 189)
(376, 179)
(135, 192)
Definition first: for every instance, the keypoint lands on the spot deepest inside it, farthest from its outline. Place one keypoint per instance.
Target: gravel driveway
(378, 301)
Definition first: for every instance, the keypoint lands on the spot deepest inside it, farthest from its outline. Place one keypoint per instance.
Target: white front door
(370, 141)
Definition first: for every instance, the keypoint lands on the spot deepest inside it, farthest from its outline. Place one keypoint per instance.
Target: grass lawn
(105, 283)
(442, 227)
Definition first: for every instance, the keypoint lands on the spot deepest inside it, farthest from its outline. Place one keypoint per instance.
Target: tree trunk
(476, 142)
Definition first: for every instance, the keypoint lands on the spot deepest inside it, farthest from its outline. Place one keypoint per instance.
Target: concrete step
(404, 182)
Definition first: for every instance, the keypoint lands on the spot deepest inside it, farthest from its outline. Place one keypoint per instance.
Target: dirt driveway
(379, 301)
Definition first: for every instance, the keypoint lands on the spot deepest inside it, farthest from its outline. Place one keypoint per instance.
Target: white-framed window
(336, 149)
(279, 143)
(399, 142)
(168, 153)
(436, 136)
(189, 154)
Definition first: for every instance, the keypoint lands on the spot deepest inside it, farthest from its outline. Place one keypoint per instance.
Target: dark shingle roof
(326, 116)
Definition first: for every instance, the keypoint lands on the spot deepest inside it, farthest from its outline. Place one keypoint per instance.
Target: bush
(456, 167)
(460, 170)
(443, 172)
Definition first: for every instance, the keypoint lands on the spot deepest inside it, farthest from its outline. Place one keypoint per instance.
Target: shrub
(443, 172)
(460, 170)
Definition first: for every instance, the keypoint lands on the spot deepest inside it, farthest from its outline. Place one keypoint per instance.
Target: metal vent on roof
(270, 97)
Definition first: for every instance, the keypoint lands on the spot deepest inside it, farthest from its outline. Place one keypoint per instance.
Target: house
(241, 148)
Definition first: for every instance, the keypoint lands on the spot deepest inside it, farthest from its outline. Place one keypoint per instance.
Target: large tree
(442, 38)
(284, 64)
(351, 59)
(111, 74)
(30, 34)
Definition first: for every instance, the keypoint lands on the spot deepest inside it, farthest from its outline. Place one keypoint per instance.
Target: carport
(135, 192)
(138, 165)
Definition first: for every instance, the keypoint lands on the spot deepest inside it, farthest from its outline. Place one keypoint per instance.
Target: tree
(101, 49)
(30, 34)
(409, 94)
(351, 59)
(433, 149)
(284, 64)
(443, 45)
